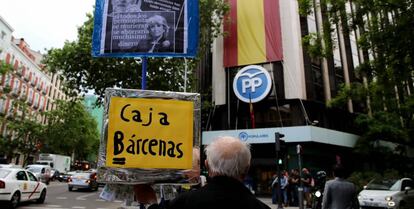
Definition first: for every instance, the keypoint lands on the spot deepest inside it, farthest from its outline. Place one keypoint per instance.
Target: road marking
(78, 207)
(100, 200)
(54, 206)
(84, 196)
(61, 198)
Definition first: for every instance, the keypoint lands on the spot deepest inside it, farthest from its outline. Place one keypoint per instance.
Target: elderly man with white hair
(228, 161)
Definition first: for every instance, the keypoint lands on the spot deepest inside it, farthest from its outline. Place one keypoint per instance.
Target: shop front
(322, 146)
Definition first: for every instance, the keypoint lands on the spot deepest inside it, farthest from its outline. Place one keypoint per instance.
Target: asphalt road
(58, 197)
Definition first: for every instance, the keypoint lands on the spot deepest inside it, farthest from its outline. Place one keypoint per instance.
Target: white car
(388, 194)
(42, 172)
(19, 185)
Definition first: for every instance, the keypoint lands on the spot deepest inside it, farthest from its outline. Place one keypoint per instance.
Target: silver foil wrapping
(135, 175)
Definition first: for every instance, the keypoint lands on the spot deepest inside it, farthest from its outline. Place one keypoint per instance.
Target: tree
(70, 129)
(384, 80)
(83, 72)
(24, 132)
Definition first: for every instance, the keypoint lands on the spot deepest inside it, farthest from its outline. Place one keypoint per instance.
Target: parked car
(388, 193)
(63, 177)
(42, 172)
(83, 180)
(19, 185)
(54, 174)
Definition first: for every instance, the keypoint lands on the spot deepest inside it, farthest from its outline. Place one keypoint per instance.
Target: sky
(45, 23)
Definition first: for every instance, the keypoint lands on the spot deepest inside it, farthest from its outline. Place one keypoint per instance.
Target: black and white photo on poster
(143, 26)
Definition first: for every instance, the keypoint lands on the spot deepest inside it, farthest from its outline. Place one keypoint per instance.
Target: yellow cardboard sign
(150, 133)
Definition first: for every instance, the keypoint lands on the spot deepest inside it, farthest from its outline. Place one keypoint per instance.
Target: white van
(42, 172)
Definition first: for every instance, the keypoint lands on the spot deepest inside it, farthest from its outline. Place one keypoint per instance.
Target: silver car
(83, 180)
(388, 194)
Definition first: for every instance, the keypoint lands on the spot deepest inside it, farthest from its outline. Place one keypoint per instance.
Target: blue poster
(151, 28)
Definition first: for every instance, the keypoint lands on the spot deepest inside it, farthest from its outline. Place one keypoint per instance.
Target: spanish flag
(253, 33)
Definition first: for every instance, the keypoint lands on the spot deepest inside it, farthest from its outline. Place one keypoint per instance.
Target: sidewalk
(268, 202)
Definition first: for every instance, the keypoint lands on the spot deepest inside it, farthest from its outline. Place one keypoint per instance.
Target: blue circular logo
(243, 136)
(252, 84)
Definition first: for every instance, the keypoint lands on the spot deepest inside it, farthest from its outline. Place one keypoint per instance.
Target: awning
(292, 134)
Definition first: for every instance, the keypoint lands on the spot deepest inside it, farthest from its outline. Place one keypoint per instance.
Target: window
(317, 81)
(7, 80)
(30, 96)
(407, 183)
(42, 103)
(32, 177)
(21, 176)
(2, 105)
(3, 35)
(36, 100)
(24, 91)
(16, 86)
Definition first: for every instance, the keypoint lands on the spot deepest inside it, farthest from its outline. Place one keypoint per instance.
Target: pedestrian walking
(307, 186)
(228, 162)
(293, 187)
(339, 193)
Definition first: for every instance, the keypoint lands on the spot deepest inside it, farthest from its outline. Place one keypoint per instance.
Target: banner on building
(137, 28)
(254, 33)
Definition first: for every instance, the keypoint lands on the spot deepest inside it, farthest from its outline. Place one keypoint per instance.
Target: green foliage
(385, 38)
(5, 68)
(384, 126)
(71, 129)
(305, 7)
(212, 14)
(24, 132)
(361, 179)
(313, 45)
(6, 89)
(356, 91)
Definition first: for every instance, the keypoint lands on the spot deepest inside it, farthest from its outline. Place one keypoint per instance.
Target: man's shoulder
(209, 197)
(341, 182)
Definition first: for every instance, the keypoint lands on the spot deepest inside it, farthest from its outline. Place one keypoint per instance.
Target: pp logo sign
(252, 83)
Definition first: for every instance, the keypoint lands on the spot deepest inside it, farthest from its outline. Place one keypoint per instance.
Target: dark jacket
(340, 194)
(220, 193)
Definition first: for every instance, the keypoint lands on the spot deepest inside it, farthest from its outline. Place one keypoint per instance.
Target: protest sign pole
(144, 73)
(185, 74)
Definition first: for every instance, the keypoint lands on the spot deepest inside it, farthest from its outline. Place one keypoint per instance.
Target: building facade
(302, 86)
(27, 81)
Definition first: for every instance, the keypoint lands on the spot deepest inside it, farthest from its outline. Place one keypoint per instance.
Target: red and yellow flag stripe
(254, 34)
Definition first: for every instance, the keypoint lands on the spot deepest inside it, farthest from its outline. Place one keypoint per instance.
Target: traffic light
(278, 136)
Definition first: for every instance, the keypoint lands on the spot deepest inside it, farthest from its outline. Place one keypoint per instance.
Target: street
(58, 197)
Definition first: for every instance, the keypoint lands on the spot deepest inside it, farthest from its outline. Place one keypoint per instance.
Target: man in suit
(228, 161)
(339, 193)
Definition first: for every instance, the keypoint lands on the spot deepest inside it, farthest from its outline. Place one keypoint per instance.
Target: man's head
(339, 171)
(228, 156)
